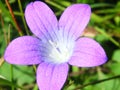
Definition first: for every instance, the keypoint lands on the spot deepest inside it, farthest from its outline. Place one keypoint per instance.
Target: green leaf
(117, 20)
(21, 74)
(100, 38)
(116, 55)
(96, 5)
(5, 82)
(115, 68)
(5, 71)
(75, 68)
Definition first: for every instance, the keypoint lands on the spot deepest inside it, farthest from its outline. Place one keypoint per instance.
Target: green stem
(18, 13)
(96, 82)
(22, 15)
(35, 87)
(108, 36)
(55, 4)
(13, 17)
(11, 68)
(34, 67)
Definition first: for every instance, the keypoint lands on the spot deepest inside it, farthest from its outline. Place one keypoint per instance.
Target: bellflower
(56, 44)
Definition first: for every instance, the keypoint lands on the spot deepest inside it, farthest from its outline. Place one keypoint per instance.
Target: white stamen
(58, 50)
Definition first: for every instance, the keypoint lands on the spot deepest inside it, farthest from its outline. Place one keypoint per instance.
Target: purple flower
(57, 44)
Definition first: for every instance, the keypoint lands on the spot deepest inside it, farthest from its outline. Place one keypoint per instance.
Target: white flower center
(59, 50)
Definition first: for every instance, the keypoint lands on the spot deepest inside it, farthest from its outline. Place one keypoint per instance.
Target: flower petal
(40, 19)
(88, 53)
(51, 77)
(74, 19)
(23, 50)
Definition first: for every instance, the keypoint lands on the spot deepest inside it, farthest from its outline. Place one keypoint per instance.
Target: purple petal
(74, 19)
(24, 51)
(40, 19)
(51, 77)
(88, 53)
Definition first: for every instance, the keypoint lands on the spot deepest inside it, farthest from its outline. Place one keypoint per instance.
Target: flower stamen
(59, 52)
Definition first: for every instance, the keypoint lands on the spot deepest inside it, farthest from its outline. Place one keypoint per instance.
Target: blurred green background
(104, 27)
